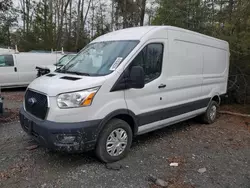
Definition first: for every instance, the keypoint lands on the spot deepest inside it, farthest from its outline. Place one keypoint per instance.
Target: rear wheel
(114, 141)
(211, 113)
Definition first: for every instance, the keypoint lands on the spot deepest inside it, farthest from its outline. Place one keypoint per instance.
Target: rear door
(8, 71)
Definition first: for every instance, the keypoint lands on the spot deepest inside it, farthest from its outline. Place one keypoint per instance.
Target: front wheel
(210, 116)
(114, 141)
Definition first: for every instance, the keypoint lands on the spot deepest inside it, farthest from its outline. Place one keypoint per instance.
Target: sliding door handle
(15, 69)
(162, 86)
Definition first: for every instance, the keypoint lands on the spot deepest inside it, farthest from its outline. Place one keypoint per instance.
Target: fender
(215, 95)
(117, 113)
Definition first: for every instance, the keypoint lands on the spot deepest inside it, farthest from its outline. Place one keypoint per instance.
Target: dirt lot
(223, 149)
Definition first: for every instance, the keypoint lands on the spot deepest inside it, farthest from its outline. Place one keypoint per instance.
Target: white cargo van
(6, 51)
(19, 69)
(126, 83)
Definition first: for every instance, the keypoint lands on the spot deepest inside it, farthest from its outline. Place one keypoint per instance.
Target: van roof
(136, 33)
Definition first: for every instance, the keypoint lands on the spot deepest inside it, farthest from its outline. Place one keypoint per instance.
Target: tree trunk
(143, 7)
(92, 20)
(45, 21)
(82, 15)
(124, 13)
(9, 40)
(101, 14)
(85, 17)
(22, 2)
(116, 18)
(27, 3)
(112, 15)
(231, 4)
(78, 25)
(63, 11)
(50, 29)
(70, 25)
(81, 22)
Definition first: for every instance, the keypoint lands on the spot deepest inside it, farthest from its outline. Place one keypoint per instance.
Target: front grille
(36, 104)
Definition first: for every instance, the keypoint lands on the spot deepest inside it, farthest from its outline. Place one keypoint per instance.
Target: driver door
(147, 102)
(8, 71)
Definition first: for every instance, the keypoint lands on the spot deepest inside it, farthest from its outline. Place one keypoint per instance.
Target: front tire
(210, 115)
(114, 141)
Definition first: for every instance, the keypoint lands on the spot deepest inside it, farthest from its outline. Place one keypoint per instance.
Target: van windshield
(64, 60)
(99, 58)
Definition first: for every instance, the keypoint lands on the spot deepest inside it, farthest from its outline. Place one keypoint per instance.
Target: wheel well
(216, 98)
(127, 118)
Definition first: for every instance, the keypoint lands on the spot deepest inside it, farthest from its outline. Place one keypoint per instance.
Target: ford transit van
(123, 84)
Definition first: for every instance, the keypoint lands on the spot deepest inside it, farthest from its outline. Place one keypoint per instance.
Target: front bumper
(47, 133)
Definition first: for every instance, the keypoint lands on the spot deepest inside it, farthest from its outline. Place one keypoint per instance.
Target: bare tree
(63, 11)
(78, 25)
(92, 19)
(86, 15)
(143, 7)
(112, 15)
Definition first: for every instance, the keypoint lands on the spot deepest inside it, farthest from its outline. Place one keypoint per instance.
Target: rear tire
(114, 141)
(211, 113)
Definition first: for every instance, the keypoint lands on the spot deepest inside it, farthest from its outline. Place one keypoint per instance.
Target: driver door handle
(162, 86)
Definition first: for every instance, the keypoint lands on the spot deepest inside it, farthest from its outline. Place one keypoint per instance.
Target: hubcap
(117, 142)
(213, 112)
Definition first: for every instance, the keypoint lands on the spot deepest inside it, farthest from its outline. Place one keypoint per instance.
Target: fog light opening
(66, 139)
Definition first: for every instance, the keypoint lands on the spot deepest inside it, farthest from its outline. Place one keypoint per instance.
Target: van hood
(56, 83)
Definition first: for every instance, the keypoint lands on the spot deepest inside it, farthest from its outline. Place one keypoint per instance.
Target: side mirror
(137, 77)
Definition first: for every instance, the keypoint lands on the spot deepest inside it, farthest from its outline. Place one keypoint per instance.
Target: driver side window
(150, 59)
(6, 61)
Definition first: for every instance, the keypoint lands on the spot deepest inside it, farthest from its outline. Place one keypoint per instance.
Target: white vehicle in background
(6, 51)
(45, 69)
(19, 69)
(127, 83)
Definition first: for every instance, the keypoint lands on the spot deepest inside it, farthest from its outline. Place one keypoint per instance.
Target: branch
(85, 17)
(234, 114)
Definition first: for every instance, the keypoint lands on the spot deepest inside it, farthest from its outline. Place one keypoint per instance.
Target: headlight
(76, 99)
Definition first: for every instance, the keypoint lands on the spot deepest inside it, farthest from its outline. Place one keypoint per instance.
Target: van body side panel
(27, 62)
(184, 69)
(172, 120)
(183, 76)
(215, 71)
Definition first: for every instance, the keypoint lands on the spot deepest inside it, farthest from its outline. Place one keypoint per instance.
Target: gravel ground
(222, 148)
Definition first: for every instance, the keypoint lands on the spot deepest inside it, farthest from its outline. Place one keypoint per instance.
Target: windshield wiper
(77, 73)
(60, 70)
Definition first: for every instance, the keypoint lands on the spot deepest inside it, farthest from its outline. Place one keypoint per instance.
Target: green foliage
(8, 19)
(228, 20)
(5, 5)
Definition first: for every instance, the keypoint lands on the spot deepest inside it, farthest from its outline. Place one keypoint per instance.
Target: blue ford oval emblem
(32, 101)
